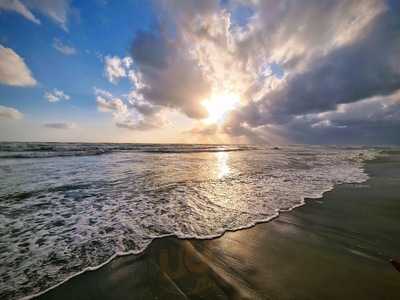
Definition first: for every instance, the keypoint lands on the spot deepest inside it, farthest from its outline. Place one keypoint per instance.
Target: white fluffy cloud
(13, 70)
(106, 102)
(56, 95)
(9, 113)
(128, 112)
(63, 48)
(116, 68)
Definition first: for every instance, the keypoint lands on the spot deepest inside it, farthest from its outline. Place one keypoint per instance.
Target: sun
(219, 105)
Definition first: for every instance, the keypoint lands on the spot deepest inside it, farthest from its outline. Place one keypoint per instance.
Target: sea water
(69, 207)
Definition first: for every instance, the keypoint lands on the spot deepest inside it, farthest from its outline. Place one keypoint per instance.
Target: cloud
(63, 48)
(358, 62)
(128, 112)
(60, 125)
(116, 68)
(56, 10)
(18, 7)
(294, 64)
(373, 120)
(204, 130)
(136, 101)
(169, 76)
(13, 70)
(106, 102)
(144, 124)
(56, 95)
(374, 109)
(9, 113)
(140, 118)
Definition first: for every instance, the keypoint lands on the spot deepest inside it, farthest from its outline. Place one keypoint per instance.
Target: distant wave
(51, 154)
(43, 150)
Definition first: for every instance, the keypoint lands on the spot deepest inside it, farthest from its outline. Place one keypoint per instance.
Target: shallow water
(68, 207)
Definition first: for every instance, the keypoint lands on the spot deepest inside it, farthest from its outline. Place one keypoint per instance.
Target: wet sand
(337, 247)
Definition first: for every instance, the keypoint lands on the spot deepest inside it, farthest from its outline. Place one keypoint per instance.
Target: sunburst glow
(219, 105)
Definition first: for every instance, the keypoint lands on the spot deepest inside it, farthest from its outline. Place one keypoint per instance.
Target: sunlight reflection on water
(222, 164)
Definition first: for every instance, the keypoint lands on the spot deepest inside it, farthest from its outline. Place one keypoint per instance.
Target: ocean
(71, 207)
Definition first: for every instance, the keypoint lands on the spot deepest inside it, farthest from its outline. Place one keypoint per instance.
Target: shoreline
(207, 238)
(118, 256)
(304, 202)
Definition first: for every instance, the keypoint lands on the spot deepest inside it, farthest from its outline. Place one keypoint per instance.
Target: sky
(210, 71)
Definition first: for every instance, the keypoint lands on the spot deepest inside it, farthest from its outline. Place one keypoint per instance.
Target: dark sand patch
(337, 247)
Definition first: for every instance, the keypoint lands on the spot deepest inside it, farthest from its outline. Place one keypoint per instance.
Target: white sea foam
(62, 215)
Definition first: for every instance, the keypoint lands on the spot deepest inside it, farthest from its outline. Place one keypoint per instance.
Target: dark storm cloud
(375, 120)
(348, 74)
